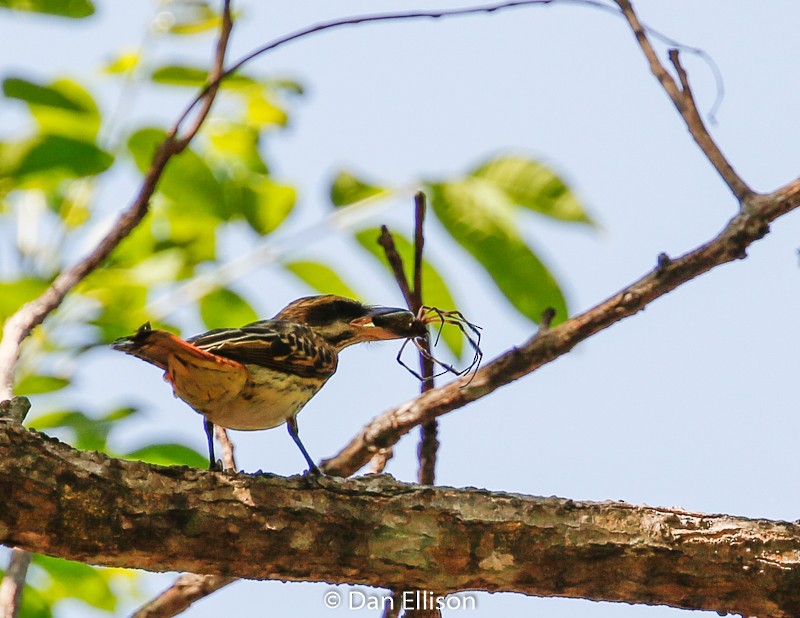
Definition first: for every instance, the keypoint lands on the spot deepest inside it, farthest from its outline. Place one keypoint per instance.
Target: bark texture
(377, 531)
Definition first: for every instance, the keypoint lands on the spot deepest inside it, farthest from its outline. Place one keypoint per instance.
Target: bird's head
(343, 322)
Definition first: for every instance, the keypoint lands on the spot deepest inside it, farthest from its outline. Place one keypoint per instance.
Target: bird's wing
(276, 344)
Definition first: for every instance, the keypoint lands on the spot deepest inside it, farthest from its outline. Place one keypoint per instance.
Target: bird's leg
(291, 424)
(213, 464)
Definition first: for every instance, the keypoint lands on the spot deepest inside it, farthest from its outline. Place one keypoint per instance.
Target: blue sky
(692, 403)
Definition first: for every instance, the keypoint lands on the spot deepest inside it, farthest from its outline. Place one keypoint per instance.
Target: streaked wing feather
(275, 344)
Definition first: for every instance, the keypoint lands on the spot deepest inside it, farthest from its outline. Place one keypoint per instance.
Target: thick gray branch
(376, 531)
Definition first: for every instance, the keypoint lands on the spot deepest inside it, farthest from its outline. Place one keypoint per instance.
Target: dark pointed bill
(401, 323)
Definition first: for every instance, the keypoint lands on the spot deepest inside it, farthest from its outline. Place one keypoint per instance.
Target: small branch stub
(14, 409)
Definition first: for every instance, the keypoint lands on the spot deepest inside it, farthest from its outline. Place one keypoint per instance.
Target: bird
(260, 375)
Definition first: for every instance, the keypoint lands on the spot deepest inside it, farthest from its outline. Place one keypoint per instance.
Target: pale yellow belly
(267, 399)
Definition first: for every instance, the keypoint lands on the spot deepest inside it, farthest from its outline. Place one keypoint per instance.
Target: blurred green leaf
(121, 64)
(90, 434)
(61, 108)
(76, 580)
(33, 604)
(263, 203)
(347, 189)
(34, 94)
(237, 144)
(169, 455)
(74, 9)
(188, 180)
(60, 155)
(119, 414)
(14, 294)
(321, 278)
(434, 289)
(194, 18)
(180, 76)
(195, 77)
(479, 216)
(289, 85)
(38, 384)
(194, 232)
(530, 184)
(121, 301)
(261, 111)
(223, 308)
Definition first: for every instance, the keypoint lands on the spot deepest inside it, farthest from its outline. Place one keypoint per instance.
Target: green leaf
(33, 604)
(169, 455)
(194, 18)
(74, 9)
(174, 75)
(38, 384)
(224, 308)
(196, 77)
(434, 289)
(263, 203)
(479, 216)
(237, 144)
(60, 155)
(14, 294)
(90, 434)
(194, 233)
(122, 64)
(261, 111)
(121, 299)
(34, 94)
(346, 189)
(79, 581)
(119, 414)
(188, 180)
(531, 185)
(290, 86)
(61, 108)
(82, 124)
(321, 278)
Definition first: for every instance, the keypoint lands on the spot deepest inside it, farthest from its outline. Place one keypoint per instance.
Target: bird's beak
(389, 323)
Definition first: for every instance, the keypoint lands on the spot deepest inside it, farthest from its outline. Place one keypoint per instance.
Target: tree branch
(429, 442)
(731, 244)
(379, 532)
(684, 102)
(14, 582)
(187, 589)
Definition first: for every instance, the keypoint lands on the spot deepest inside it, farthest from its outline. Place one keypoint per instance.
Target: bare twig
(684, 101)
(228, 460)
(386, 241)
(429, 440)
(14, 410)
(731, 244)
(187, 589)
(13, 583)
(429, 443)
